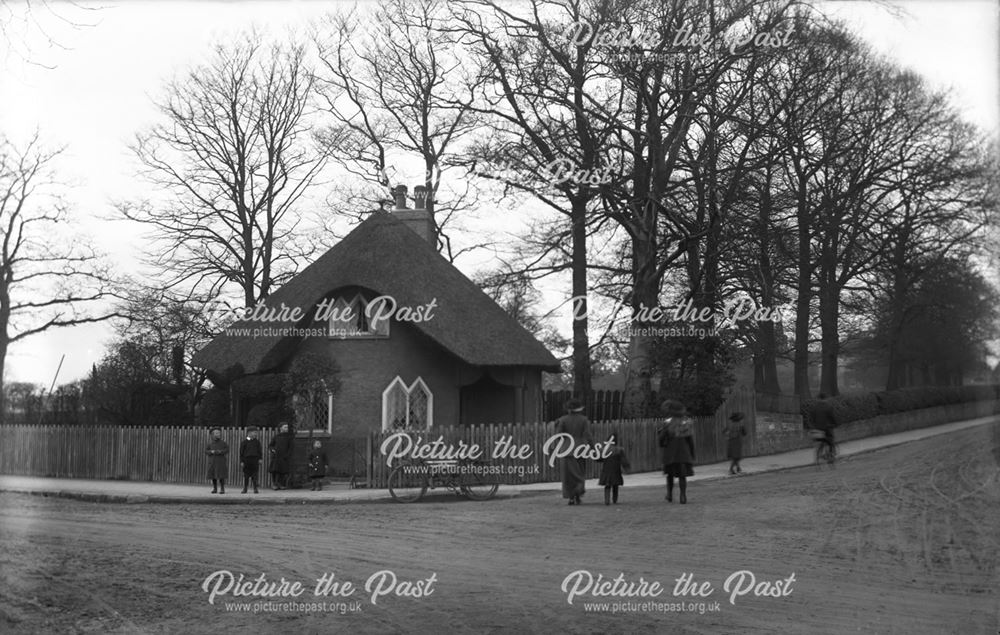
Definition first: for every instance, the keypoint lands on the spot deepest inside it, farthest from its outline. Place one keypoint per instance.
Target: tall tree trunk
(581, 342)
(829, 317)
(3, 394)
(897, 309)
(766, 355)
(645, 293)
(804, 296)
(5, 283)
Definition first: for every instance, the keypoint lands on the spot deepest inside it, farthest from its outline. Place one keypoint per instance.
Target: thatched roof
(384, 255)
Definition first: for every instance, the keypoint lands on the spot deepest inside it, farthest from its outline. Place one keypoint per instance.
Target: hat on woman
(574, 405)
(214, 428)
(673, 408)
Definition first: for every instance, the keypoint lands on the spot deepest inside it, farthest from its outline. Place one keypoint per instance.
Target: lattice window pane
(396, 407)
(320, 410)
(418, 409)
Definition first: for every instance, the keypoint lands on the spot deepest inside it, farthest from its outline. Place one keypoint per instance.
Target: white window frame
(418, 385)
(338, 329)
(329, 415)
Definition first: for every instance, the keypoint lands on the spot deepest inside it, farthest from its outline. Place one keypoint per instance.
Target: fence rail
(177, 454)
(141, 453)
(637, 436)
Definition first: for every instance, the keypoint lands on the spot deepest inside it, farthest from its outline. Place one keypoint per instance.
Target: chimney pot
(399, 192)
(418, 219)
(420, 197)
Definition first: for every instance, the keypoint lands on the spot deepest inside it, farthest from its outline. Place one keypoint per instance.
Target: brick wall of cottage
(368, 366)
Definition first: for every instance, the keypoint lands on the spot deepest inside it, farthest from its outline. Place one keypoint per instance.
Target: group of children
(676, 439)
(251, 454)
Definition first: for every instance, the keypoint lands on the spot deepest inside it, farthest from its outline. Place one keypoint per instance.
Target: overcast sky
(94, 92)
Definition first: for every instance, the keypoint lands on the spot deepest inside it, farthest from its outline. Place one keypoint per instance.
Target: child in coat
(611, 470)
(250, 456)
(317, 465)
(217, 450)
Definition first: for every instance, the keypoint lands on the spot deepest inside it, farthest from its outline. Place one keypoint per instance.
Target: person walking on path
(735, 430)
(611, 470)
(217, 451)
(250, 455)
(576, 425)
(281, 456)
(318, 463)
(677, 440)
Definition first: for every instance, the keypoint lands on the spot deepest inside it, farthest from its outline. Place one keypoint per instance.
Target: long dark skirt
(678, 470)
(572, 477)
(734, 448)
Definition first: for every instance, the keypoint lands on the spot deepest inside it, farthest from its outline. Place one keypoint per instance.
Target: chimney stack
(420, 197)
(418, 218)
(399, 193)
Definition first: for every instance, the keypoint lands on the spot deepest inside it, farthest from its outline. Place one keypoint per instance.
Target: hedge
(849, 408)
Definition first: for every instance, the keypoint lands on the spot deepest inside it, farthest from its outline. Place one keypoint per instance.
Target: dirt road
(904, 540)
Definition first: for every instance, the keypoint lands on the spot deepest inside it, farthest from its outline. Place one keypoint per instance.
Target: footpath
(108, 491)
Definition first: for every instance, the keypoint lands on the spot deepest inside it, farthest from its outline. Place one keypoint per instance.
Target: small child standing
(317, 465)
(250, 455)
(217, 465)
(611, 470)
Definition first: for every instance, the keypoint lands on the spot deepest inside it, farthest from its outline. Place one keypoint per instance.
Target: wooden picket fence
(177, 454)
(638, 436)
(142, 453)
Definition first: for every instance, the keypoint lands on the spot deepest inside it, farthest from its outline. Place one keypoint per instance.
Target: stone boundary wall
(783, 432)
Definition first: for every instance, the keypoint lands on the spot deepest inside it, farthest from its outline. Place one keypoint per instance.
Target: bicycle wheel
(476, 487)
(407, 486)
(821, 454)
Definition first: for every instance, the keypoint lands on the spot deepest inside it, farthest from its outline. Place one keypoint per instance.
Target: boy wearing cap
(250, 456)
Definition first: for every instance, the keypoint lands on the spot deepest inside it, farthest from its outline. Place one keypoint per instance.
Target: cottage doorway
(488, 401)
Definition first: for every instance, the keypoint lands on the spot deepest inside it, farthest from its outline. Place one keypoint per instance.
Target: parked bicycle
(408, 482)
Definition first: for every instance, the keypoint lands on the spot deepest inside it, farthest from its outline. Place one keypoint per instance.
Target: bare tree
(676, 98)
(28, 27)
(47, 280)
(232, 159)
(394, 95)
(552, 107)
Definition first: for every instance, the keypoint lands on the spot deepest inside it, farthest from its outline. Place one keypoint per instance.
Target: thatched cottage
(412, 342)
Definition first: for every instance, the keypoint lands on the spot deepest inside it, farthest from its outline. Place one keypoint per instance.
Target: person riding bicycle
(823, 419)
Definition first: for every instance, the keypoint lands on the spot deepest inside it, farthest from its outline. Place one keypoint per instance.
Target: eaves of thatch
(385, 256)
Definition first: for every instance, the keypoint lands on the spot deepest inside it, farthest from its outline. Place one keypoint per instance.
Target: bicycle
(826, 452)
(409, 482)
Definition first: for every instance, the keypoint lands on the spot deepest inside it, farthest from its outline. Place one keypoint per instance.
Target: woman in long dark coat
(735, 431)
(281, 457)
(677, 440)
(217, 451)
(575, 424)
